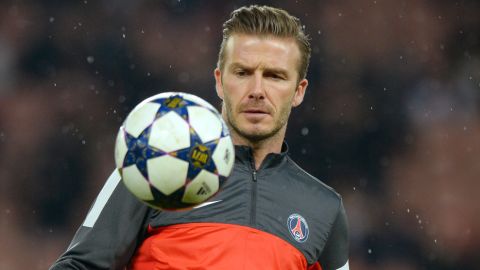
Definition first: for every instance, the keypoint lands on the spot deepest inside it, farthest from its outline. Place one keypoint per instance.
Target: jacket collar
(244, 154)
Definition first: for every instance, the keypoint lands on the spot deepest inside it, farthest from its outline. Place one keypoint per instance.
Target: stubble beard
(255, 136)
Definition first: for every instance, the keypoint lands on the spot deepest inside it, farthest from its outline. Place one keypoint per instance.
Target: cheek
(283, 97)
(232, 92)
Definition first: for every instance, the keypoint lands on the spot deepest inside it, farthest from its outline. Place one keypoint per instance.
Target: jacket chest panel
(274, 202)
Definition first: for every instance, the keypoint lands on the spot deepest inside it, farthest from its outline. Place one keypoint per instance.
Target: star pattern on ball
(174, 103)
(139, 151)
(198, 155)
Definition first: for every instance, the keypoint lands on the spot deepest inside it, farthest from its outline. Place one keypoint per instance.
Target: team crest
(298, 227)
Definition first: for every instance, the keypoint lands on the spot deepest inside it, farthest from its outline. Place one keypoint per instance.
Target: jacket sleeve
(335, 253)
(110, 232)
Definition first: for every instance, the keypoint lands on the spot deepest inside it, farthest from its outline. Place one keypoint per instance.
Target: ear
(300, 93)
(218, 82)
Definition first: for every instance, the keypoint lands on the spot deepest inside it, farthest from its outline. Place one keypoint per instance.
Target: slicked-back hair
(266, 21)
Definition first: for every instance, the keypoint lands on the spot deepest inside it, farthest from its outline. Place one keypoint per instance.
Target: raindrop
(369, 251)
(90, 59)
(408, 210)
(304, 131)
(51, 19)
(84, 142)
(123, 35)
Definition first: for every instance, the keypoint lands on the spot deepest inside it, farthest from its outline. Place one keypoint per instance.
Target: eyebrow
(281, 71)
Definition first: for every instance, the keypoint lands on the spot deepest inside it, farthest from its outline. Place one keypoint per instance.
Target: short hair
(266, 21)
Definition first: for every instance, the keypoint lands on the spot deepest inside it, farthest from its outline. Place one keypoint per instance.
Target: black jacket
(291, 220)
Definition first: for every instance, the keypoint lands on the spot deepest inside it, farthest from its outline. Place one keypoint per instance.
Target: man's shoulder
(309, 179)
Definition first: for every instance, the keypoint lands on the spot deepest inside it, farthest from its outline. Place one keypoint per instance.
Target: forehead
(255, 50)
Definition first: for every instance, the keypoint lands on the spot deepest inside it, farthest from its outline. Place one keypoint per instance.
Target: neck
(263, 147)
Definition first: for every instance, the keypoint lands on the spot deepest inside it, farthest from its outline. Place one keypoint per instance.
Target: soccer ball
(174, 151)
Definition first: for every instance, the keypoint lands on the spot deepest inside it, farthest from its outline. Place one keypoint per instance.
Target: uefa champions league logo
(298, 227)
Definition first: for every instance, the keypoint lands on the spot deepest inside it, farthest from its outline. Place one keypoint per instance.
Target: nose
(257, 87)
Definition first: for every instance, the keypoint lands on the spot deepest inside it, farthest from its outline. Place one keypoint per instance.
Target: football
(174, 151)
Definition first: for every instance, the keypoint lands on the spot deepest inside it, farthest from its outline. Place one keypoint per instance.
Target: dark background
(390, 118)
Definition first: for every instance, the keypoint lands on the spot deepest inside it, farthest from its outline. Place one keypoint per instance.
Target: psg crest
(298, 227)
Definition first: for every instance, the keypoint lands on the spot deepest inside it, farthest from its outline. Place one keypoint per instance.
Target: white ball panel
(140, 118)
(224, 156)
(167, 173)
(170, 133)
(121, 148)
(136, 183)
(205, 122)
(201, 188)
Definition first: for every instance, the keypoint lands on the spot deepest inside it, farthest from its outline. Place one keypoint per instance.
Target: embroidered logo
(298, 227)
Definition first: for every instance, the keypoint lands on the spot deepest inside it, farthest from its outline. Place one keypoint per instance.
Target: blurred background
(390, 120)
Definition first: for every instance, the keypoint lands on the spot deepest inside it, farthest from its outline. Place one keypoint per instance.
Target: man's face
(259, 85)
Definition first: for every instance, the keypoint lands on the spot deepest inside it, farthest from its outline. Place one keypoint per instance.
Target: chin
(256, 134)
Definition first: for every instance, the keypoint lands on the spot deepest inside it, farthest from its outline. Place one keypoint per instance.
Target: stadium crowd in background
(391, 118)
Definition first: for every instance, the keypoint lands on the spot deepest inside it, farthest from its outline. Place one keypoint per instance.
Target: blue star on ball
(198, 155)
(139, 151)
(174, 103)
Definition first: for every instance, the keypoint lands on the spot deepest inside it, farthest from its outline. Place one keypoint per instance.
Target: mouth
(255, 111)
(255, 115)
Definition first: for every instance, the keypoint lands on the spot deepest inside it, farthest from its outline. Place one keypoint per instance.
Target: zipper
(253, 210)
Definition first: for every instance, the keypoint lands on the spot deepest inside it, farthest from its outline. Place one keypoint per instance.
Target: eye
(274, 76)
(241, 73)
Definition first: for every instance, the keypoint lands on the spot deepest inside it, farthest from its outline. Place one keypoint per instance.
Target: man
(270, 214)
